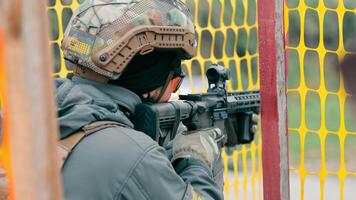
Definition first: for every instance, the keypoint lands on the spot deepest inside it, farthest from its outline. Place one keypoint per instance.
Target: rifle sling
(177, 120)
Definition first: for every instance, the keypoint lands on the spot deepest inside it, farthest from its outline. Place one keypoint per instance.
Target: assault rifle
(229, 111)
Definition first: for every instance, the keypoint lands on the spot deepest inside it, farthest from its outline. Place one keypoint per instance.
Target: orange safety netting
(5, 139)
(227, 35)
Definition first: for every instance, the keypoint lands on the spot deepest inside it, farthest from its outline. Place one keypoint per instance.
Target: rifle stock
(231, 112)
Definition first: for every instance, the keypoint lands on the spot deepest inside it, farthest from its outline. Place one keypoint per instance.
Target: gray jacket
(118, 162)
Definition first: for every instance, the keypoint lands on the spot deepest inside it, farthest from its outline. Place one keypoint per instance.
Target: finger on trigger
(254, 129)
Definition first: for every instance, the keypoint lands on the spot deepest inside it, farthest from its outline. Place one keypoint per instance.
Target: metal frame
(273, 84)
(32, 161)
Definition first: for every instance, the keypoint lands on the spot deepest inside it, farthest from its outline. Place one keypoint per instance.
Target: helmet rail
(143, 40)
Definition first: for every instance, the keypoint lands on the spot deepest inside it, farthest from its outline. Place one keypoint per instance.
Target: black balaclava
(146, 73)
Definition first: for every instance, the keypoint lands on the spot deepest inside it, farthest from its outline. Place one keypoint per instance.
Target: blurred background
(322, 140)
(321, 124)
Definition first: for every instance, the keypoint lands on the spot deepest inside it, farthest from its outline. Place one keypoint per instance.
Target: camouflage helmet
(104, 35)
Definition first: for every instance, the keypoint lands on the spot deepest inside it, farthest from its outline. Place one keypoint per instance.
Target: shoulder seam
(140, 188)
(132, 171)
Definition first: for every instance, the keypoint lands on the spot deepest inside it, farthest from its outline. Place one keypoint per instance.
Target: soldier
(124, 52)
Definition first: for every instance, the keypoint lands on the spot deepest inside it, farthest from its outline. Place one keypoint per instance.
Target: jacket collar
(119, 95)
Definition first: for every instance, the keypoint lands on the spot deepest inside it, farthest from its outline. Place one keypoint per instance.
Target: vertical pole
(29, 103)
(273, 98)
(3, 181)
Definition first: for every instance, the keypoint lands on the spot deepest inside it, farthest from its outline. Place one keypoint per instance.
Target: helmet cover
(104, 35)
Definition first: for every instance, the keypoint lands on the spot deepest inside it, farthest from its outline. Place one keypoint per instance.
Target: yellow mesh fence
(227, 32)
(321, 130)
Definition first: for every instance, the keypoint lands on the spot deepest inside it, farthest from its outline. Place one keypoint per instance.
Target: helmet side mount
(143, 40)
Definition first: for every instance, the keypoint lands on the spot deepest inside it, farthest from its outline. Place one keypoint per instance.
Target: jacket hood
(81, 102)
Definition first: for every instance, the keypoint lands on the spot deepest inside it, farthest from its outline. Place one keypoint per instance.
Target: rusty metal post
(29, 102)
(274, 101)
